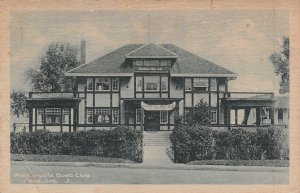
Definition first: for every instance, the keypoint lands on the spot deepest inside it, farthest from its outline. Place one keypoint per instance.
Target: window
(165, 62)
(139, 83)
(115, 84)
(213, 115)
(139, 62)
(52, 115)
(164, 83)
(102, 115)
(40, 113)
(89, 84)
(151, 62)
(115, 116)
(163, 116)
(213, 84)
(201, 84)
(65, 116)
(138, 115)
(102, 84)
(188, 84)
(89, 115)
(151, 83)
(280, 115)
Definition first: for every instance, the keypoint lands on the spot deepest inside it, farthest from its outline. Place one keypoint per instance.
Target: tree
(18, 103)
(197, 115)
(50, 76)
(281, 65)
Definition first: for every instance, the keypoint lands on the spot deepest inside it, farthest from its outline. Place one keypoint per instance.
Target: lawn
(67, 158)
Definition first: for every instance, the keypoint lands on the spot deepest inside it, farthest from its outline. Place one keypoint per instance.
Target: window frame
(213, 81)
(54, 114)
(97, 81)
(166, 83)
(201, 81)
(186, 88)
(164, 117)
(89, 84)
(116, 112)
(213, 110)
(115, 84)
(156, 83)
(108, 114)
(138, 116)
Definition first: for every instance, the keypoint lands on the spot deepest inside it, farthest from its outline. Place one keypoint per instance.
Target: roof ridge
(155, 45)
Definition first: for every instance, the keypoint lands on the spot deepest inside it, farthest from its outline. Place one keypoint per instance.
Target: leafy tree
(18, 103)
(281, 65)
(197, 115)
(50, 76)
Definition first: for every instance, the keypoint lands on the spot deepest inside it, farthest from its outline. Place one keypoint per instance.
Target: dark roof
(115, 62)
(282, 102)
(150, 51)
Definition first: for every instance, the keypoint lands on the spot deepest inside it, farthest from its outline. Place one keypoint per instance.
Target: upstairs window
(201, 84)
(89, 84)
(139, 62)
(115, 84)
(188, 84)
(164, 83)
(151, 62)
(151, 83)
(213, 84)
(102, 84)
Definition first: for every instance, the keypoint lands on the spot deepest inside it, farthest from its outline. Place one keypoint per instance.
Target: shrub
(197, 142)
(121, 142)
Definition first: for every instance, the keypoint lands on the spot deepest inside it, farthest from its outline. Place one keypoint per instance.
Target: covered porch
(150, 114)
(248, 109)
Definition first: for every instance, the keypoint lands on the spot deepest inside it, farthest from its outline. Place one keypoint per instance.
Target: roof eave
(203, 75)
(97, 74)
(134, 57)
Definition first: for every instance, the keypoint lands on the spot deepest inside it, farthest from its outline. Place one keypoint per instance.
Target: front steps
(156, 144)
(157, 138)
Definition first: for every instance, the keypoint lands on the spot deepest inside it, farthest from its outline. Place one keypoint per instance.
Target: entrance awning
(166, 107)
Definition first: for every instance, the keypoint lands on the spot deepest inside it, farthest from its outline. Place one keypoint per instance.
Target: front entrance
(151, 120)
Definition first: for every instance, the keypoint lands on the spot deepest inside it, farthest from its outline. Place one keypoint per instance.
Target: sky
(241, 41)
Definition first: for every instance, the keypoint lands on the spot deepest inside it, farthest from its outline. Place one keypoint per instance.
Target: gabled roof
(187, 63)
(151, 51)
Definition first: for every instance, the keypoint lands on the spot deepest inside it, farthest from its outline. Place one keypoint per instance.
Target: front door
(151, 121)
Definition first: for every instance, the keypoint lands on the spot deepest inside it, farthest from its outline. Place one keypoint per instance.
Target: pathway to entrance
(156, 144)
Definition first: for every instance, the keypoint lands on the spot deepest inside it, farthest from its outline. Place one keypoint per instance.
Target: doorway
(152, 120)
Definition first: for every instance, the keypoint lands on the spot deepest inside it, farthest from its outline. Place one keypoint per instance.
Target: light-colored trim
(98, 74)
(204, 75)
(152, 57)
(127, 55)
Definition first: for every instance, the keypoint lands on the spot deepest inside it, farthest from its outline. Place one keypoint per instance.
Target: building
(146, 86)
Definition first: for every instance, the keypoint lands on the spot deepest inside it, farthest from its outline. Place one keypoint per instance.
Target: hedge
(121, 142)
(197, 142)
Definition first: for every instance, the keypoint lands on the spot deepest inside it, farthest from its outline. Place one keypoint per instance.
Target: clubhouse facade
(146, 86)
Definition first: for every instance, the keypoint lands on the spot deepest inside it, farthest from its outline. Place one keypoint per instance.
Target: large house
(146, 86)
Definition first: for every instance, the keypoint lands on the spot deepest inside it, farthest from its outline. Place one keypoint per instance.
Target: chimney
(82, 51)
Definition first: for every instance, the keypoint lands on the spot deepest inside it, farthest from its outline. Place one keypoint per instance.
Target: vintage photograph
(149, 97)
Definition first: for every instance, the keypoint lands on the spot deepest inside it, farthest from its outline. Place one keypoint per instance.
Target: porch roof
(52, 102)
(249, 102)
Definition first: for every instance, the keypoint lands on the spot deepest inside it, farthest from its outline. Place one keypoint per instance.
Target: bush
(197, 142)
(121, 142)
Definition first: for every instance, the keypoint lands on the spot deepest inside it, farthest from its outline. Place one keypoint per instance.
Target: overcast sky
(239, 41)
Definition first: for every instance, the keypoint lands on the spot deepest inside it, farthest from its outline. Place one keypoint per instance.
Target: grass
(270, 163)
(66, 158)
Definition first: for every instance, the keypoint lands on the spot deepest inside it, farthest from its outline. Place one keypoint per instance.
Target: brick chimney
(82, 51)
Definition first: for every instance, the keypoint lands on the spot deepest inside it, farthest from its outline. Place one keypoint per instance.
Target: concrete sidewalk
(155, 166)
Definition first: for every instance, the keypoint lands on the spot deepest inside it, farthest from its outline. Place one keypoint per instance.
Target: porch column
(272, 117)
(236, 116)
(257, 115)
(30, 119)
